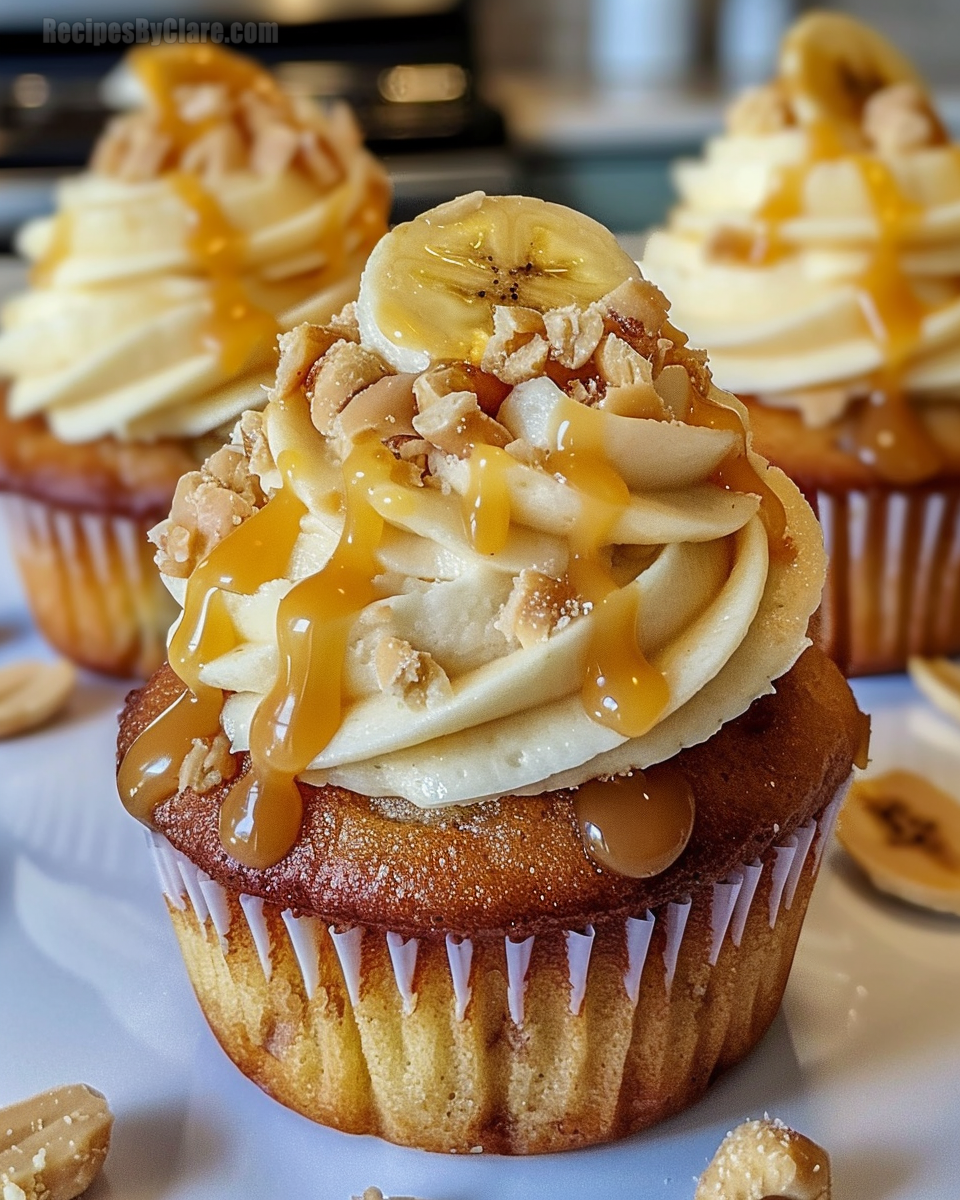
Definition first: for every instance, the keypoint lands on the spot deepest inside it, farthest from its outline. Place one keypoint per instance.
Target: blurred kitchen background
(581, 101)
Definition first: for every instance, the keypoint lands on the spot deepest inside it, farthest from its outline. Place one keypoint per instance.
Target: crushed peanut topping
(518, 349)
(345, 369)
(760, 110)
(899, 118)
(207, 505)
(211, 128)
(538, 606)
(413, 675)
(207, 764)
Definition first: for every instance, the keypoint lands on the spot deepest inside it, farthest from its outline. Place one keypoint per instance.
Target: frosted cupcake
(481, 819)
(816, 253)
(216, 216)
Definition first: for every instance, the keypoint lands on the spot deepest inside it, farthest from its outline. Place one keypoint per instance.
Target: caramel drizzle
(889, 435)
(621, 689)
(164, 69)
(486, 502)
(262, 812)
(638, 824)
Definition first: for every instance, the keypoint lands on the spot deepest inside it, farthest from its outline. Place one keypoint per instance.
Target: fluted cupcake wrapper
(92, 585)
(513, 1046)
(893, 584)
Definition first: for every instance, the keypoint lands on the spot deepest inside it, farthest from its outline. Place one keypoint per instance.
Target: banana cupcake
(816, 253)
(481, 820)
(219, 214)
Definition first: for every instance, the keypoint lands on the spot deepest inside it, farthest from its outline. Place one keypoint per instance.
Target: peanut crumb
(765, 1158)
(207, 764)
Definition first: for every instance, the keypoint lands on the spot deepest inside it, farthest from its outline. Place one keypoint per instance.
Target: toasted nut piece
(900, 118)
(32, 692)
(53, 1145)
(759, 110)
(939, 680)
(413, 675)
(766, 1158)
(574, 333)
(538, 606)
(905, 833)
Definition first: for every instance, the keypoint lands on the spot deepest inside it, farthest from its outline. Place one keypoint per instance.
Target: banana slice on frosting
(905, 833)
(831, 65)
(429, 289)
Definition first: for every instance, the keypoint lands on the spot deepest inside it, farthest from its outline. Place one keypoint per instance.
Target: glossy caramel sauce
(736, 473)
(235, 325)
(261, 815)
(889, 435)
(638, 824)
(486, 502)
(165, 68)
(621, 689)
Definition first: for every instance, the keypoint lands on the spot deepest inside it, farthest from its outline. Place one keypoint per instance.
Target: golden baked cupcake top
(816, 247)
(496, 533)
(219, 213)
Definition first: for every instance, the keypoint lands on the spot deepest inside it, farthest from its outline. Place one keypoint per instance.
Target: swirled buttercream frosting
(550, 558)
(219, 214)
(815, 249)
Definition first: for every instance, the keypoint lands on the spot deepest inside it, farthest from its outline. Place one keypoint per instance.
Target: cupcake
(815, 252)
(481, 820)
(219, 214)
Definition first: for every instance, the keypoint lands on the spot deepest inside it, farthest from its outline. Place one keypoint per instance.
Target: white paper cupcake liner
(92, 585)
(893, 584)
(730, 900)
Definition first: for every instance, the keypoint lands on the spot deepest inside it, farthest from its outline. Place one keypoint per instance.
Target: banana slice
(766, 1158)
(905, 833)
(939, 680)
(32, 692)
(831, 65)
(430, 286)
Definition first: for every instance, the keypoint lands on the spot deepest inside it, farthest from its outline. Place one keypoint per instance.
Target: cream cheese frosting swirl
(217, 216)
(816, 247)
(554, 560)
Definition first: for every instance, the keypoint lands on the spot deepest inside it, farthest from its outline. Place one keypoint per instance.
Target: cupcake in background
(216, 216)
(480, 823)
(815, 252)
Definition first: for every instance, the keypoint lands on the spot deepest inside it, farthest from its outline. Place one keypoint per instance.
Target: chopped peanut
(766, 1158)
(538, 606)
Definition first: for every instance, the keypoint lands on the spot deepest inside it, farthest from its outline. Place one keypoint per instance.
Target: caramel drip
(639, 824)
(150, 770)
(164, 69)
(235, 325)
(486, 502)
(890, 436)
(621, 689)
(736, 473)
(302, 711)
(785, 202)
(258, 549)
